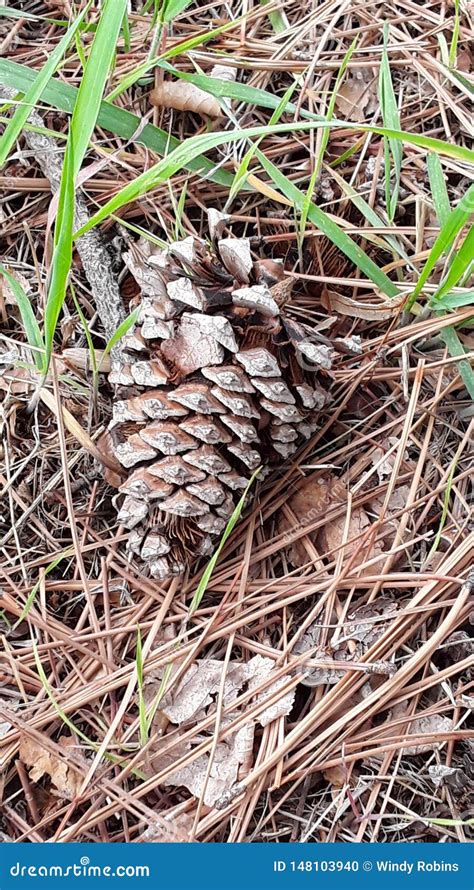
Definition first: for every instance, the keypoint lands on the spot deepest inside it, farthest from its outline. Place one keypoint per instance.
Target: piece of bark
(96, 257)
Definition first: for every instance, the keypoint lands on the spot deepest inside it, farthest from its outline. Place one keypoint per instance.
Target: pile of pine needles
(338, 135)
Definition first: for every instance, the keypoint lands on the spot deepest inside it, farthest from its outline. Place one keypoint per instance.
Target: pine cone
(215, 383)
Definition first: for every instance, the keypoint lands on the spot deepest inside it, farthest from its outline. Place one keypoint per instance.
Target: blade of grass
(126, 31)
(454, 223)
(122, 329)
(8, 12)
(173, 8)
(276, 18)
(62, 254)
(81, 127)
(241, 174)
(116, 120)
(206, 576)
(141, 70)
(450, 338)
(391, 119)
(30, 324)
(111, 758)
(454, 301)
(371, 216)
(460, 268)
(331, 230)
(30, 98)
(444, 513)
(196, 145)
(34, 590)
(439, 192)
(453, 49)
(179, 230)
(324, 142)
(94, 78)
(90, 344)
(142, 715)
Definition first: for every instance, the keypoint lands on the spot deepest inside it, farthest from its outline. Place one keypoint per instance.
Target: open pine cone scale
(213, 384)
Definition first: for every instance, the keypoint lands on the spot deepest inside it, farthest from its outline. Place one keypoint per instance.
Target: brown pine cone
(215, 383)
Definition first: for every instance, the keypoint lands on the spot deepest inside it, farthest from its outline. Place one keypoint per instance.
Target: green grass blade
(90, 342)
(455, 348)
(196, 145)
(142, 715)
(454, 301)
(456, 220)
(34, 590)
(116, 120)
(206, 576)
(242, 171)
(122, 329)
(372, 217)
(8, 12)
(240, 92)
(444, 513)
(94, 78)
(460, 268)
(172, 8)
(126, 32)
(392, 147)
(439, 192)
(159, 61)
(125, 124)
(30, 98)
(30, 324)
(453, 49)
(276, 18)
(62, 255)
(111, 758)
(324, 140)
(330, 229)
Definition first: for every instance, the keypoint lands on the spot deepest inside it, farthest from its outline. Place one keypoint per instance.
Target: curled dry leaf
(67, 779)
(361, 546)
(194, 699)
(175, 830)
(352, 99)
(185, 97)
(188, 703)
(311, 502)
(436, 723)
(228, 757)
(383, 310)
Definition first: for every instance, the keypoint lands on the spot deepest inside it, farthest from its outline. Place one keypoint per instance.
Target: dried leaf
(67, 779)
(368, 623)
(309, 503)
(435, 723)
(185, 97)
(195, 692)
(332, 535)
(353, 98)
(228, 757)
(381, 311)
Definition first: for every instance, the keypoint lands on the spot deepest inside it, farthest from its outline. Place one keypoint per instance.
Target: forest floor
(319, 687)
